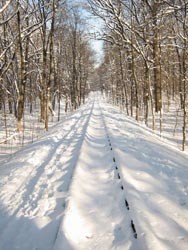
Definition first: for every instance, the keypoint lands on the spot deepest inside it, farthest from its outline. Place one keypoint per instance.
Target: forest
(93, 124)
(46, 59)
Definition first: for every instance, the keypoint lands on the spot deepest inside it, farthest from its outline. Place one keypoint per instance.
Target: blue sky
(93, 25)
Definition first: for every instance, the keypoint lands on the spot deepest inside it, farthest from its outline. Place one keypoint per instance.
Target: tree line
(44, 56)
(145, 55)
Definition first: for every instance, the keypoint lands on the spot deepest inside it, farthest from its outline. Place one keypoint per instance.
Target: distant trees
(44, 55)
(146, 55)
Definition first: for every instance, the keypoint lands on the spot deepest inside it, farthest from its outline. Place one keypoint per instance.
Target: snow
(11, 141)
(68, 189)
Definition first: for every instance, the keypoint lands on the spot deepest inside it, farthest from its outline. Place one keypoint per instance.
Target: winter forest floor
(96, 180)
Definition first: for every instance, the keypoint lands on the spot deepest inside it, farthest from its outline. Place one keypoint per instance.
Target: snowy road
(96, 216)
(81, 185)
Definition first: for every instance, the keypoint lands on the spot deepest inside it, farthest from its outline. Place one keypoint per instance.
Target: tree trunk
(184, 68)
(21, 83)
(156, 71)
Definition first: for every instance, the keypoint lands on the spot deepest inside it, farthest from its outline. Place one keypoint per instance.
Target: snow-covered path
(96, 216)
(85, 183)
(35, 183)
(155, 177)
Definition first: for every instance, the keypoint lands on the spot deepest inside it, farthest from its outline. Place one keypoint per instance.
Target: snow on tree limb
(5, 6)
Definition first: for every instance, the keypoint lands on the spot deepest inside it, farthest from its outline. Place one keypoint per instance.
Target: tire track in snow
(81, 142)
(26, 187)
(55, 161)
(132, 225)
(32, 173)
(94, 217)
(152, 174)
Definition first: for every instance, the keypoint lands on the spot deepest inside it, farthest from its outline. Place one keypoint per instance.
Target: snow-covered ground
(96, 180)
(11, 141)
(171, 121)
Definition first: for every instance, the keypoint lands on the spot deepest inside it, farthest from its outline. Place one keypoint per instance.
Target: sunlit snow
(68, 190)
